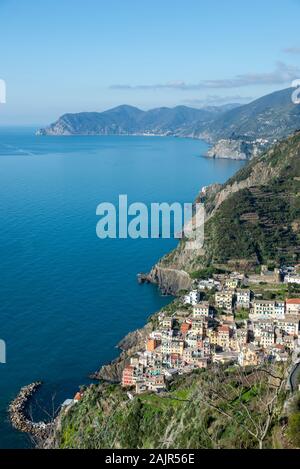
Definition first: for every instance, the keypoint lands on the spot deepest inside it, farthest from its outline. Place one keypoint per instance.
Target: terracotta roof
(293, 301)
(223, 329)
(128, 368)
(279, 347)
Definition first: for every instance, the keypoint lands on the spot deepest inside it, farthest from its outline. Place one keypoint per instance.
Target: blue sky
(72, 55)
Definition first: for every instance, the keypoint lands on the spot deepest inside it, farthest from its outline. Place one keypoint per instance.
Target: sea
(66, 296)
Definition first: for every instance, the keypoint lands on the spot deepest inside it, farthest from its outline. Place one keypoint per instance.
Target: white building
(279, 309)
(209, 284)
(243, 299)
(192, 339)
(267, 309)
(289, 325)
(293, 306)
(267, 339)
(192, 298)
(292, 278)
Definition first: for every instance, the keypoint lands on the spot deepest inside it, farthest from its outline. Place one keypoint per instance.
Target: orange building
(152, 344)
(128, 376)
(185, 327)
(78, 396)
(293, 306)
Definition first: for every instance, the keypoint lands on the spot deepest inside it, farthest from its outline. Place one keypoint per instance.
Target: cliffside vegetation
(254, 218)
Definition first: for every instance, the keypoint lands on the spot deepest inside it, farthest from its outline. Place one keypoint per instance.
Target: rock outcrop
(232, 149)
(130, 345)
(170, 281)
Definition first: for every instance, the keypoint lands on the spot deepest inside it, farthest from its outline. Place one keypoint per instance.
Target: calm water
(67, 298)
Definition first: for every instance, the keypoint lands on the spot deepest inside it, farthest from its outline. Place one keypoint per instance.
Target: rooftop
(293, 301)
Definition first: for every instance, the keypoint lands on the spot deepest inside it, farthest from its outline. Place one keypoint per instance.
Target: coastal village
(227, 319)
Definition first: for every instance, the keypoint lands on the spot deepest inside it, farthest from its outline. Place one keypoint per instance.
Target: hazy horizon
(63, 57)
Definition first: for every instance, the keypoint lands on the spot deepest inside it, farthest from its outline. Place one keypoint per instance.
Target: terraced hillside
(254, 218)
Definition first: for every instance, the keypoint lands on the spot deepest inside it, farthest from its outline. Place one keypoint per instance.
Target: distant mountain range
(238, 131)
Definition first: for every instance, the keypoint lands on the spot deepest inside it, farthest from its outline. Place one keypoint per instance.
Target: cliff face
(230, 149)
(169, 280)
(130, 345)
(236, 149)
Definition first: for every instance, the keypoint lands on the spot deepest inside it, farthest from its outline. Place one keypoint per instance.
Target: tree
(248, 399)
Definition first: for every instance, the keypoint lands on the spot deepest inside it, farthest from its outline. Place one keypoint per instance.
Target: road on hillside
(295, 378)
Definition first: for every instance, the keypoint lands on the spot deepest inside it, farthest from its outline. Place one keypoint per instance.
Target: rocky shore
(129, 346)
(18, 413)
(169, 280)
(232, 149)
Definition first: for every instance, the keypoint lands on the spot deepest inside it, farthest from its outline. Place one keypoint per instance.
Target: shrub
(294, 428)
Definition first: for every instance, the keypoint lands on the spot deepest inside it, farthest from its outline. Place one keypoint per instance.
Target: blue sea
(67, 297)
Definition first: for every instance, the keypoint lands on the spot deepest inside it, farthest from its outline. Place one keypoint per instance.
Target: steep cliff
(252, 219)
(236, 149)
(130, 345)
(170, 280)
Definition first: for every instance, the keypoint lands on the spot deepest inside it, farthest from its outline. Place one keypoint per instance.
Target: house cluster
(203, 332)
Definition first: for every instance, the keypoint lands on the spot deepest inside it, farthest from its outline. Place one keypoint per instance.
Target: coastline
(99, 357)
(134, 340)
(111, 372)
(131, 344)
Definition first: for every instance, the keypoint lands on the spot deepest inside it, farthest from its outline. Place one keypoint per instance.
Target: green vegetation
(207, 409)
(206, 273)
(294, 422)
(241, 314)
(293, 290)
(258, 224)
(174, 306)
(294, 429)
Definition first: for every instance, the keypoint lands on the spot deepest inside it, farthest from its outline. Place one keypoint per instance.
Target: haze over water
(66, 297)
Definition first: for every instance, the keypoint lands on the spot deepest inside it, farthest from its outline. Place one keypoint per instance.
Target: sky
(63, 56)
